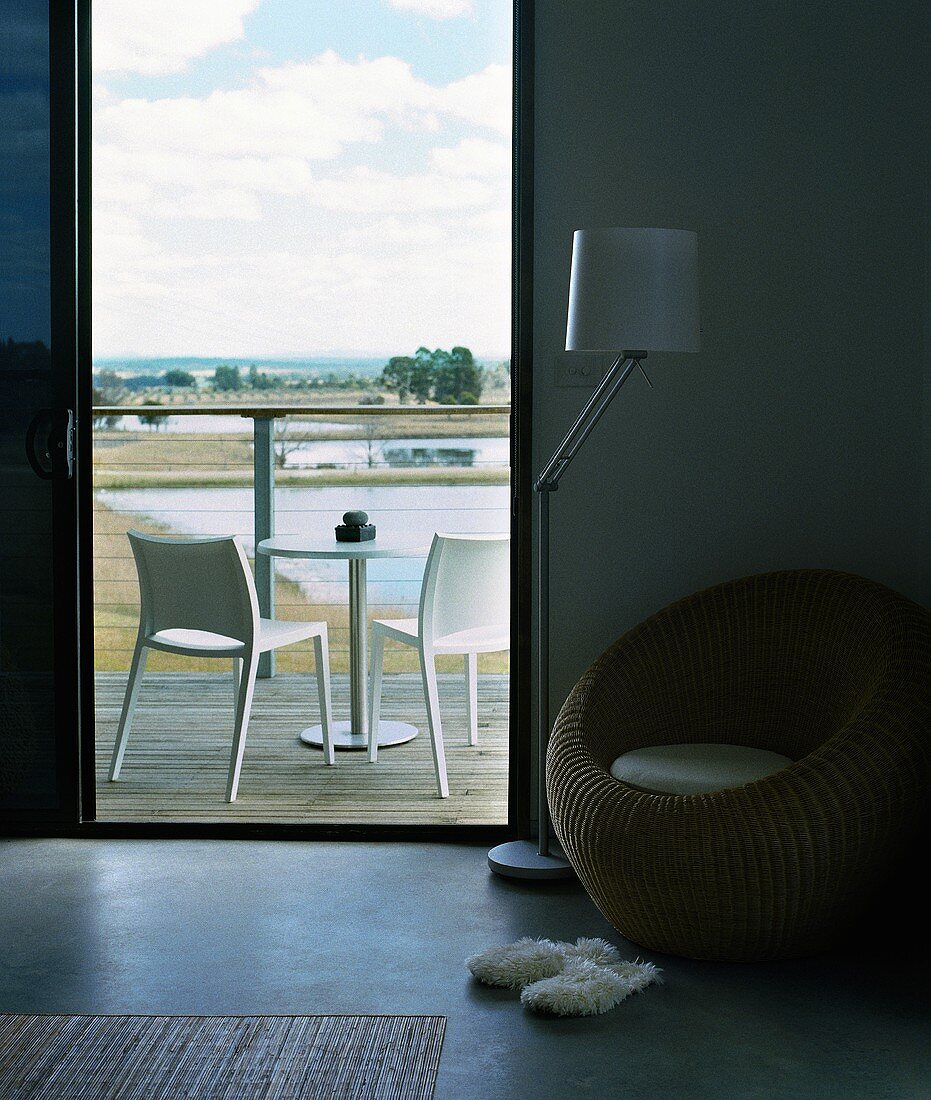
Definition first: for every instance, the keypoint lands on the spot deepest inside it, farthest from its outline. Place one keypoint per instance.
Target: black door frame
(66, 497)
(83, 764)
(61, 395)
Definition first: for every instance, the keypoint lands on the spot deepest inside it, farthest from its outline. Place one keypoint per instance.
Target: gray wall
(787, 134)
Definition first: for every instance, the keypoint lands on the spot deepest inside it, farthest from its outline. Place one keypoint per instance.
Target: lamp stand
(523, 858)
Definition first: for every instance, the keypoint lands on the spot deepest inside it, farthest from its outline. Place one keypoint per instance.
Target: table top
(316, 546)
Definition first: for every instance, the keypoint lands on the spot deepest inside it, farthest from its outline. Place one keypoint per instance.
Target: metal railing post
(264, 505)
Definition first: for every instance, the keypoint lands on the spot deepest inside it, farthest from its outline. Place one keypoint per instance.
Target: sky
(301, 177)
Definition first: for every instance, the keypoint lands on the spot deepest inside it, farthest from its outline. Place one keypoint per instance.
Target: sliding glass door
(38, 573)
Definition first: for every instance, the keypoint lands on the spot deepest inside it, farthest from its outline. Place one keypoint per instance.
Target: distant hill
(317, 367)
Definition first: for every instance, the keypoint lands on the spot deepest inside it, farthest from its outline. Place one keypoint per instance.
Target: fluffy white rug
(584, 989)
(518, 964)
(584, 978)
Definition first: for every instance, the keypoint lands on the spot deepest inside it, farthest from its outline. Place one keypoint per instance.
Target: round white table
(354, 733)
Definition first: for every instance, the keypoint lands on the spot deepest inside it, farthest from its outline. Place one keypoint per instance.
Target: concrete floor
(288, 927)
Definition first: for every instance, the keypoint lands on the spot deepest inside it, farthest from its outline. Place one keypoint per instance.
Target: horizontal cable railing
(415, 469)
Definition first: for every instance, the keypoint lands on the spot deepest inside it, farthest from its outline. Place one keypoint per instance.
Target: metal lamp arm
(585, 422)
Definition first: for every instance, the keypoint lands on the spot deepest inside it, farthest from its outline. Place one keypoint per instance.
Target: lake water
(480, 451)
(403, 511)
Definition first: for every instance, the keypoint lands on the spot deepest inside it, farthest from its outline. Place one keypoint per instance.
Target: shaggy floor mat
(229, 1057)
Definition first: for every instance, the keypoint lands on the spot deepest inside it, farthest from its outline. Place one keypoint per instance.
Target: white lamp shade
(633, 290)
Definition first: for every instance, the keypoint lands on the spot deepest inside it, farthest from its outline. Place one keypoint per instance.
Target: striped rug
(214, 1057)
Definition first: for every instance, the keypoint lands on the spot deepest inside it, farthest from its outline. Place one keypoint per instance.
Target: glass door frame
(519, 790)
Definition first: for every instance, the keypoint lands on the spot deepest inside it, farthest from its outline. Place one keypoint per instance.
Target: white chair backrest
(195, 584)
(466, 584)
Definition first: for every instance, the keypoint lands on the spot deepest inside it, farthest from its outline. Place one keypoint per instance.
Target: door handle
(50, 444)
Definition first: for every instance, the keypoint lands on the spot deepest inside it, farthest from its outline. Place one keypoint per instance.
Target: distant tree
(153, 421)
(449, 377)
(259, 380)
(397, 376)
(226, 379)
(468, 376)
(182, 379)
(422, 375)
(372, 443)
(137, 383)
(108, 389)
(110, 386)
(102, 420)
(458, 378)
(288, 440)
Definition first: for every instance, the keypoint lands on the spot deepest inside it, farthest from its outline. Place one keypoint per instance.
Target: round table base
(389, 733)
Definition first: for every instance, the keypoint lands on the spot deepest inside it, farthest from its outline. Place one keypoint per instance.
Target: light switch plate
(581, 369)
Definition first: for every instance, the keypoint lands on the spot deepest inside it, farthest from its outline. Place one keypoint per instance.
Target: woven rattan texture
(827, 668)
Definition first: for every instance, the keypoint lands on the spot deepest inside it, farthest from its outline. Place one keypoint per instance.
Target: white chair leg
(322, 668)
(471, 674)
(378, 667)
(243, 708)
(136, 668)
(428, 671)
(237, 680)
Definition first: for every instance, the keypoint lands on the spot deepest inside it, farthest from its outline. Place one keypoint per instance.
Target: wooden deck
(178, 755)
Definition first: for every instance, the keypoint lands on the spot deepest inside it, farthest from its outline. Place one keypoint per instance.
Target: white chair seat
(402, 630)
(277, 632)
(478, 639)
(271, 634)
(201, 642)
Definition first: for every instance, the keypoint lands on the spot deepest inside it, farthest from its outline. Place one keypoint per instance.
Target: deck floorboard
(178, 755)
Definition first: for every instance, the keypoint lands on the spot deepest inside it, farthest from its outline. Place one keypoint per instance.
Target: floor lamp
(628, 289)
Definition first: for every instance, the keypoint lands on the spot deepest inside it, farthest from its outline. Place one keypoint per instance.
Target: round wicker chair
(828, 669)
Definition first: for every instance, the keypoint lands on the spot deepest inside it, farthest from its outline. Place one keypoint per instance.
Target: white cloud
(215, 157)
(330, 205)
(335, 289)
(365, 190)
(436, 9)
(312, 110)
(473, 157)
(483, 98)
(157, 37)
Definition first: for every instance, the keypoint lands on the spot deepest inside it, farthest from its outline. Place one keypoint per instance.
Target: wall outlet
(583, 369)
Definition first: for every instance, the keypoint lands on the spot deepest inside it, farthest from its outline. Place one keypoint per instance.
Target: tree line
(447, 377)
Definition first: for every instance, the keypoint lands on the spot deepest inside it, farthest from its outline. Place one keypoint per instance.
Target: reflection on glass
(27, 777)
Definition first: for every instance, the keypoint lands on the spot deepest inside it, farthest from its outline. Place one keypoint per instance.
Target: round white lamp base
(522, 859)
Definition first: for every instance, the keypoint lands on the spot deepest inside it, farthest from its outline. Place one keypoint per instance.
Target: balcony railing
(204, 469)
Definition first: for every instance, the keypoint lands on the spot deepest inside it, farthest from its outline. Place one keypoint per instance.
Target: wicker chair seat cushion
(695, 769)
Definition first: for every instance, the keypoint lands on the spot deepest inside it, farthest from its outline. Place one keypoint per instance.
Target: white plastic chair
(464, 608)
(198, 598)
